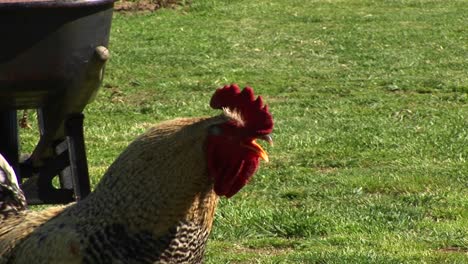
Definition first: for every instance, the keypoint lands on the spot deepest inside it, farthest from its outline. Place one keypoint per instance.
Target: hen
(156, 202)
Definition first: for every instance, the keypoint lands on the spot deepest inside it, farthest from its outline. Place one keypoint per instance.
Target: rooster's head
(233, 153)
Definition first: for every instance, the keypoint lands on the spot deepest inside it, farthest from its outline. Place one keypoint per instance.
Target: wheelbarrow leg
(77, 156)
(69, 162)
(9, 144)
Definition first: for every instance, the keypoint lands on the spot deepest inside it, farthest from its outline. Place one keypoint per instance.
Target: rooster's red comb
(256, 116)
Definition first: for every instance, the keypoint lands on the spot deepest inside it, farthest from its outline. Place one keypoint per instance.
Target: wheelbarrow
(52, 59)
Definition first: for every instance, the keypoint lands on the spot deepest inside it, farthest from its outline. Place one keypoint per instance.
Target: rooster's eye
(214, 131)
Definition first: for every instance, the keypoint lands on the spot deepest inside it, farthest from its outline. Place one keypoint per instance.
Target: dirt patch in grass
(454, 250)
(326, 170)
(145, 5)
(267, 251)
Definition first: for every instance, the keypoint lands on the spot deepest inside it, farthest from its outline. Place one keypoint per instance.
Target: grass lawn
(370, 100)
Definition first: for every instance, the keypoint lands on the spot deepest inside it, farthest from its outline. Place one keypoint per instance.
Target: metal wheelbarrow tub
(52, 58)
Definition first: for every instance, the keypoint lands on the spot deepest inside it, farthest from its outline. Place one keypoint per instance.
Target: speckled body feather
(155, 204)
(12, 199)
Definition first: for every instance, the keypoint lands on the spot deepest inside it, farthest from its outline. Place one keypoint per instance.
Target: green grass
(370, 100)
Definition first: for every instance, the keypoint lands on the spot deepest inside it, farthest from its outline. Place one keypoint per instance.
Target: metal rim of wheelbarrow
(19, 4)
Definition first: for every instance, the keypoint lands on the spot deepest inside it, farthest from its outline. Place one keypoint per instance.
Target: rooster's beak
(255, 147)
(267, 138)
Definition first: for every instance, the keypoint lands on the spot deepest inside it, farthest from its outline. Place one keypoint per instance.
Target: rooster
(156, 202)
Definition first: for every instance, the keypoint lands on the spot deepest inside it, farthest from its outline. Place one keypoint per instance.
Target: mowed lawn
(370, 101)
